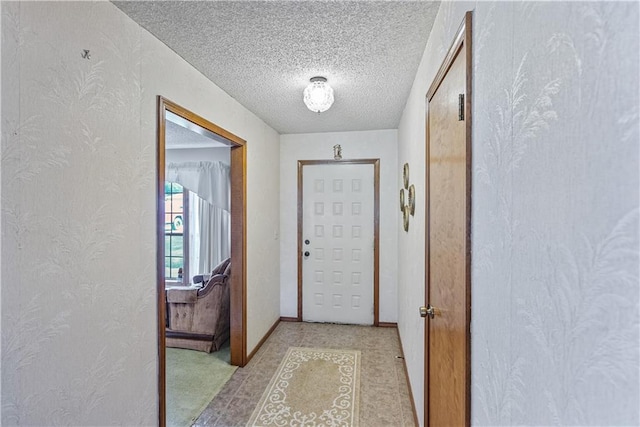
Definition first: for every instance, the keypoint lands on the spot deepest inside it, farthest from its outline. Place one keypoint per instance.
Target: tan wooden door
(447, 350)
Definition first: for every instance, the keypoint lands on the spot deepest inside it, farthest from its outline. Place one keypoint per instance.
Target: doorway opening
(175, 263)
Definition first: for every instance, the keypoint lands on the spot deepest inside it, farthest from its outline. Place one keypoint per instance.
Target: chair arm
(183, 296)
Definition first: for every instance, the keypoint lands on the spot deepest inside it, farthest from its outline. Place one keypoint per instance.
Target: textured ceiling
(264, 53)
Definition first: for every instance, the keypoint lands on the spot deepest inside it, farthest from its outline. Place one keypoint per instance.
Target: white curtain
(209, 180)
(209, 235)
(209, 204)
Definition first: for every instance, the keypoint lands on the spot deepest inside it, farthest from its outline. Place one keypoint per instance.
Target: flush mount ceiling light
(318, 96)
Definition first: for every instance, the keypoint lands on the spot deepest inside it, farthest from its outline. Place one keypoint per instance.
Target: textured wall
(555, 212)
(355, 145)
(78, 211)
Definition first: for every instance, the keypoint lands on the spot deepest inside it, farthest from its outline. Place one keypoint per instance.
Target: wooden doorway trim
(376, 228)
(462, 44)
(238, 324)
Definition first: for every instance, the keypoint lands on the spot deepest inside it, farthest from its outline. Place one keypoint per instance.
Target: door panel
(338, 223)
(447, 332)
(447, 178)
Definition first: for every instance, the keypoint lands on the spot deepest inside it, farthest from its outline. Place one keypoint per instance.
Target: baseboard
(289, 319)
(406, 374)
(264, 338)
(387, 325)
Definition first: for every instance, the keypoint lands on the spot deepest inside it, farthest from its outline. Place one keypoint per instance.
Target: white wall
(380, 144)
(198, 154)
(1, 211)
(79, 343)
(555, 313)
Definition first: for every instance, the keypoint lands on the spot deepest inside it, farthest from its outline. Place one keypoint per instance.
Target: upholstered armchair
(198, 317)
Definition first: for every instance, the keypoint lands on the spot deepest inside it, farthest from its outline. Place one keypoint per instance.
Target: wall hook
(337, 152)
(86, 54)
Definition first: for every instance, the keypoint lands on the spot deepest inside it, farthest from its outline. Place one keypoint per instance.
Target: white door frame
(376, 227)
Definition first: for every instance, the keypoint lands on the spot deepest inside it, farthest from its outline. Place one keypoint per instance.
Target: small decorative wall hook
(337, 152)
(85, 54)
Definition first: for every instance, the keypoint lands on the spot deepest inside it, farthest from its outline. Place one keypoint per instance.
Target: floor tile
(384, 393)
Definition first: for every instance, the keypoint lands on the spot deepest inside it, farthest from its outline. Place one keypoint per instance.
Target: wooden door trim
(376, 227)
(462, 44)
(238, 324)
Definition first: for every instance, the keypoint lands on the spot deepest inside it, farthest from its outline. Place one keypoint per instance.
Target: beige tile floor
(384, 393)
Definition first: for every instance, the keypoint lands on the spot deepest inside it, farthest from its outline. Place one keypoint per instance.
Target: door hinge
(461, 107)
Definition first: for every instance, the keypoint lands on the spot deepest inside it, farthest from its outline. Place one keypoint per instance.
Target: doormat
(312, 386)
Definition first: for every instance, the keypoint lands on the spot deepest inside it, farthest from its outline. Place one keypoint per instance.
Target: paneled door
(337, 242)
(448, 284)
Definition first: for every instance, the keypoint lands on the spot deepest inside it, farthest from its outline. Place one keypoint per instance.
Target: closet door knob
(429, 310)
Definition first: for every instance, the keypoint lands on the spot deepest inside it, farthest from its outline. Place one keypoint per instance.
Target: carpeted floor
(193, 380)
(384, 392)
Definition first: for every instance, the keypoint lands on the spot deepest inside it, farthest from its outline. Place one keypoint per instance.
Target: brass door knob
(429, 310)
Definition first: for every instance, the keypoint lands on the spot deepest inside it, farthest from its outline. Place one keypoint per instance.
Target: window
(176, 235)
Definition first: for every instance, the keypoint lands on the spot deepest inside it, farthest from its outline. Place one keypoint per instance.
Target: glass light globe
(318, 96)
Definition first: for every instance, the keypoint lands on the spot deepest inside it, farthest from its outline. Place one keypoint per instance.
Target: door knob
(429, 310)
(306, 253)
(306, 242)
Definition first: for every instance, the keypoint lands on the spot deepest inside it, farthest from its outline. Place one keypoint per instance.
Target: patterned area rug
(312, 387)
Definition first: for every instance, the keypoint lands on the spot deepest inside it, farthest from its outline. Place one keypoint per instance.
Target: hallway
(384, 393)
(554, 120)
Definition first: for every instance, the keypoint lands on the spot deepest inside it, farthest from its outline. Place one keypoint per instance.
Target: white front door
(337, 243)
